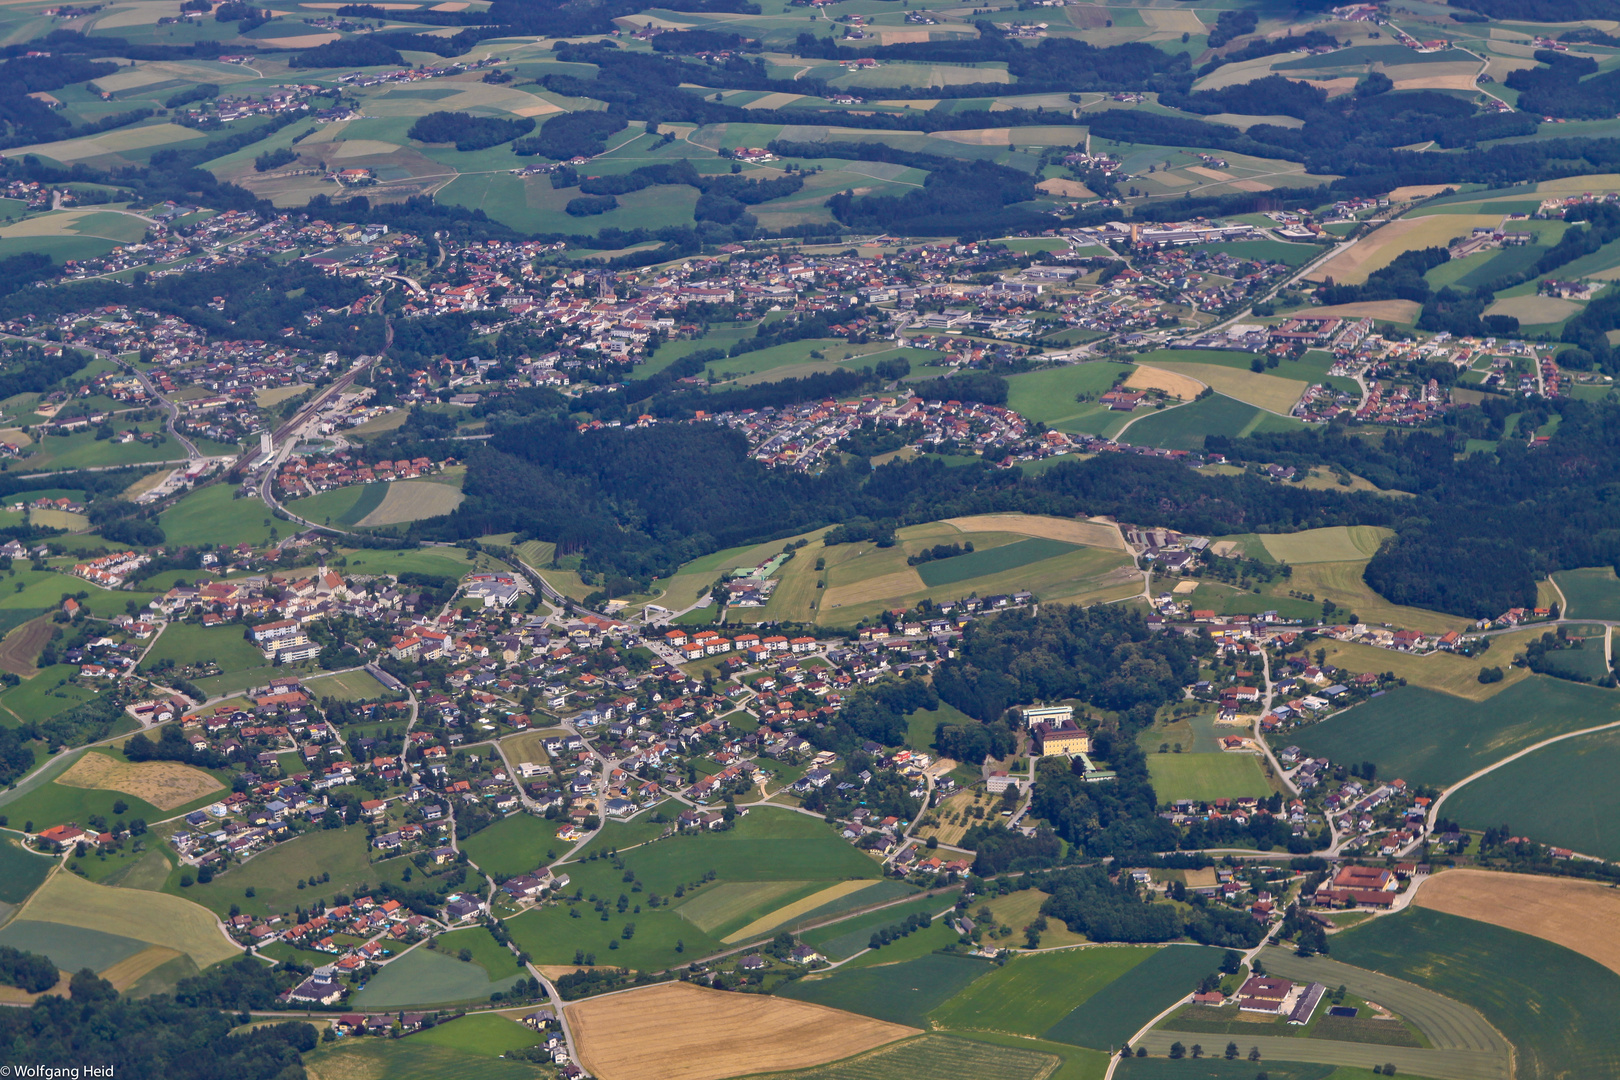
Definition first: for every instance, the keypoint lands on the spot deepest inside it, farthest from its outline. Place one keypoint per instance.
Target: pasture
(842, 940)
(1579, 915)
(1426, 737)
(902, 993)
(150, 917)
(1206, 777)
(483, 1034)
(213, 515)
(1591, 592)
(1574, 1028)
(677, 1031)
(274, 875)
(422, 977)
(1135, 997)
(1032, 993)
(1562, 794)
(21, 871)
(936, 1057)
(513, 845)
(1336, 543)
(186, 645)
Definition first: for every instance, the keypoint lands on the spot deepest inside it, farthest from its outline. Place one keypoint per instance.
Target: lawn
(921, 725)
(1436, 739)
(214, 515)
(994, 560)
(903, 993)
(1032, 993)
(514, 845)
(1560, 1010)
(421, 978)
(274, 875)
(1207, 777)
(186, 643)
(1562, 794)
(483, 1034)
(1592, 592)
(1184, 427)
(1134, 998)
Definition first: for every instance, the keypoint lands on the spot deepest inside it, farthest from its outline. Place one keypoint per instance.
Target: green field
(933, 1057)
(185, 643)
(1108, 1020)
(1592, 593)
(496, 959)
(1586, 662)
(50, 803)
(843, 940)
(412, 1058)
(21, 871)
(71, 947)
(512, 846)
(1216, 1068)
(274, 875)
(719, 909)
(344, 506)
(421, 978)
(1337, 543)
(921, 725)
(47, 694)
(1049, 396)
(349, 686)
(1426, 737)
(903, 993)
(215, 516)
(1184, 427)
(1206, 777)
(1560, 1010)
(483, 1034)
(1032, 993)
(1573, 800)
(991, 561)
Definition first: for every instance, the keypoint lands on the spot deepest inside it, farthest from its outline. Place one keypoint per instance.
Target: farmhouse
(1264, 994)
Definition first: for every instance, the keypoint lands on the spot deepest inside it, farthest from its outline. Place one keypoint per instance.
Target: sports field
(1031, 993)
(421, 978)
(1579, 915)
(1429, 738)
(1563, 794)
(1206, 777)
(903, 993)
(1574, 1028)
(677, 1031)
(1107, 1020)
(1591, 592)
(1336, 543)
(936, 1057)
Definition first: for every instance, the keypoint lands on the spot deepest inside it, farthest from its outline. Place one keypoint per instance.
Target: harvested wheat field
(1401, 311)
(126, 973)
(898, 583)
(1173, 383)
(164, 784)
(1212, 174)
(772, 919)
(1067, 189)
(1535, 309)
(1068, 530)
(680, 1032)
(1380, 248)
(412, 500)
(1578, 915)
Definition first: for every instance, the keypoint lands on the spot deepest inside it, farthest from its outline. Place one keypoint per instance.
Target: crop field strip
(936, 1057)
(902, 993)
(1031, 994)
(1579, 915)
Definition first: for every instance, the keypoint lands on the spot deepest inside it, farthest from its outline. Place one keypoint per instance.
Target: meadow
(1574, 1027)
(1336, 543)
(1107, 1020)
(214, 515)
(1591, 593)
(844, 939)
(936, 1057)
(1049, 396)
(1457, 676)
(983, 562)
(410, 1059)
(1030, 994)
(1206, 777)
(483, 1034)
(1429, 738)
(343, 506)
(1343, 583)
(496, 959)
(187, 644)
(422, 977)
(513, 845)
(21, 871)
(275, 875)
(1574, 800)
(903, 993)
(150, 917)
(1184, 427)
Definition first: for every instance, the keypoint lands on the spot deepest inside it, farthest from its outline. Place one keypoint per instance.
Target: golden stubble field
(164, 784)
(677, 1031)
(1579, 915)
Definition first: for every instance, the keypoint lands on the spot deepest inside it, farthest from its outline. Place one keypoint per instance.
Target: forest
(467, 131)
